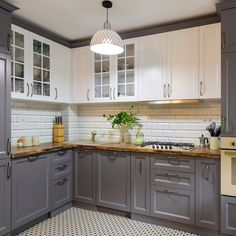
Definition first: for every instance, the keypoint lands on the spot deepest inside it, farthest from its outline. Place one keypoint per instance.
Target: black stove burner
(168, 145)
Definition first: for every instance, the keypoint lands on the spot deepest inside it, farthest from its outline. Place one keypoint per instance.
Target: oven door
(228, 172)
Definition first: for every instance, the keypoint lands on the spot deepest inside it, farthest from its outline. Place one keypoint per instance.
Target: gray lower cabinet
(140, 183)
(172, 204)
(228, 215)
(228, 94)
(113, 180)
(61, 191)
(31, 189)
(207, 193)
(84, 176)
(5, 197)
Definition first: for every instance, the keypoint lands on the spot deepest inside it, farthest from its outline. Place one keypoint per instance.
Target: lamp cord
(107, 15)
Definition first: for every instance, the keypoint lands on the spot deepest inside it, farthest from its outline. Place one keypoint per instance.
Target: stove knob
(166, 147)
(153, 146)
(170, 147)
(162, 147)
(157, 146)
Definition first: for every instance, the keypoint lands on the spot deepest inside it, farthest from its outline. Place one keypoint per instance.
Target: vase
(124, 134)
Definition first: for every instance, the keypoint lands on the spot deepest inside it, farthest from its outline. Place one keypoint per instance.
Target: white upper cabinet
(126, 72)
(20, 84)
(82, 75)
(152, 67)
(182, 64)
(210, 61)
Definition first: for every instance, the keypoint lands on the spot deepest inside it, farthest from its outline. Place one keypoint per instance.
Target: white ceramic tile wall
(184, 123)
(36, 119)
(168, 123)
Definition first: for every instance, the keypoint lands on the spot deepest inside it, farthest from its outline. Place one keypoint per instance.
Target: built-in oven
(228, 166)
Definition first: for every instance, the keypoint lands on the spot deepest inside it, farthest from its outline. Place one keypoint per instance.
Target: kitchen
(135, 139)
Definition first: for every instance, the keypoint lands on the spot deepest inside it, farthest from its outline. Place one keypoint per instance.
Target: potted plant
(124, 120)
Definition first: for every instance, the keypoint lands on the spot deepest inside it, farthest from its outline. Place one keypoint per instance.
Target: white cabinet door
(82, 75)
(210, 61)
(61, 77)
(182, 64)
(125, 71)
(20, 78)
(152, 67)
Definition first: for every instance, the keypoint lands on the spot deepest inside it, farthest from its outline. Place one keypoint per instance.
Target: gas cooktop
(170, 146)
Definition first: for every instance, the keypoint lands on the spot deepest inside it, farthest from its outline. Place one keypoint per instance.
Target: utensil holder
(58, 133)
(214, 143)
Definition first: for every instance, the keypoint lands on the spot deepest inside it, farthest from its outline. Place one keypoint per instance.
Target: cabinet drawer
(62, 168)
(173, 179)
(185, 164)
(61, 156)
(172, 204)
(61, 191)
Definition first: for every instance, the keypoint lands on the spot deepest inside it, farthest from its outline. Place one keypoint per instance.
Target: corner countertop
(51, 147)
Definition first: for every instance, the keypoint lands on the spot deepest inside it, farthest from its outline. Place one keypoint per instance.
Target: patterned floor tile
(80, 222)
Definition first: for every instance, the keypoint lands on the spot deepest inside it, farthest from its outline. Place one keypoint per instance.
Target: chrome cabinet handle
(32, 90)
(28, 89)
(62, 182)
(164, 90)
(207, 172)
(8, 146)
(110, 93)
(223, 40)
(174, 161)
(140, 166)
(62, 167)
(61, 153)
(32, 158)
(114, 93)
(168, 90)
(9, 170)
(56, 93)
(88, 95)
(201, 88)
(168, 191)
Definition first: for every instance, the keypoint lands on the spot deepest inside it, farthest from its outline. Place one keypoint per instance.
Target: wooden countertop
(51, 147)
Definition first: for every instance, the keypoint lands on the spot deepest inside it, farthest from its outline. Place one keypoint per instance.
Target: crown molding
(225, 5)
(8, 6)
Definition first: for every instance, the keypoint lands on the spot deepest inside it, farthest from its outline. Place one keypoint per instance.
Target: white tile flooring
(80, 222)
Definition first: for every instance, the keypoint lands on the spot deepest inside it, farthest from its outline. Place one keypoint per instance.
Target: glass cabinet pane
(98, 91)
(98, 80)
(105, 66)
(130, 90)
(130, 50)
(121, 64)
(97, 57)
(46, 64)
(37, 60)
(19, 70)
(37, 74)
(19, 40)
(46, 50)
(97, 67)
(105, 91)
(106, 79)
(37, 88)
(46, 76)
(130, 63)
(19, 55)
(46, 89)
(37, 46)
(19, 85)
(121, 90)
(130, 77)
(121, 77)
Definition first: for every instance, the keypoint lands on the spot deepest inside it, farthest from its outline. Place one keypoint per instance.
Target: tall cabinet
(5, 116)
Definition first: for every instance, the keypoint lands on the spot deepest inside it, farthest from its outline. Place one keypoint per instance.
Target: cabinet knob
(233, 144)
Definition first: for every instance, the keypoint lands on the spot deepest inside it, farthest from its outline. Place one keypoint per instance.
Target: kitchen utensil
(203, 141)
(214, 143)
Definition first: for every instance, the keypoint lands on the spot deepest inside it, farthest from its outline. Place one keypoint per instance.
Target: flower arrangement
(124, 120)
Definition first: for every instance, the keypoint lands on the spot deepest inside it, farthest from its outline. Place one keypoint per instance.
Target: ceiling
(79, 19)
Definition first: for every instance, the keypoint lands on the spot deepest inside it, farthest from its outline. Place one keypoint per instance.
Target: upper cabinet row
(183, 64)
(41, 69)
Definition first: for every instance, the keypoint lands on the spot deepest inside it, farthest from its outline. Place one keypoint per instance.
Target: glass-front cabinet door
(127, 72)
(19, 77)
(41, 68)
(101, 77)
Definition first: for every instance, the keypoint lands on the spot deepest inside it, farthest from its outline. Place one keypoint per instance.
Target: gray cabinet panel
(31, 189)
(5, 107)
(228, 215)
(174, 163)
(172, 204)
(207, 193)
(5, 29)
(113, 180)
(61, 156)
(228, 19)
(140, 183)
(5, 198)
(84, 176)
(61, 191)
(228, 94)
(61, 169)
(173, 179)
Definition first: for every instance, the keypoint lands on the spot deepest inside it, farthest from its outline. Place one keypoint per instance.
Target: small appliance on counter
(58, 130)
(203, 142)
(215, 131)
(27, 141)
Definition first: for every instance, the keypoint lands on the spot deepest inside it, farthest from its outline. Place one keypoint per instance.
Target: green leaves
(128, 118)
